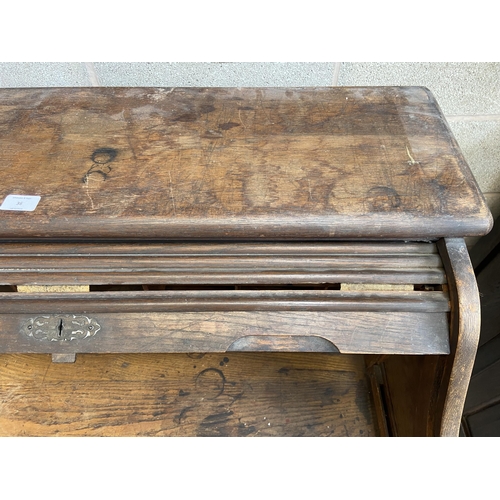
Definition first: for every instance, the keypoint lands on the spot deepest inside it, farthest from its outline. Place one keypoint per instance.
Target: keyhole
(60, 327)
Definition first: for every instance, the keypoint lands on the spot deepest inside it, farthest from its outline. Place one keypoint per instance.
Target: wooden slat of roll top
(219, 263)
(361, 332)
(252, 277)
(206, 248)
(394, 263)
(223, 300)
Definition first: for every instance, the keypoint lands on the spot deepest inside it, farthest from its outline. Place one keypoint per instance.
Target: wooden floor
(237, 394)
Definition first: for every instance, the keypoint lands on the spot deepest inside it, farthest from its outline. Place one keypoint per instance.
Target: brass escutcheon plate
(60, 327)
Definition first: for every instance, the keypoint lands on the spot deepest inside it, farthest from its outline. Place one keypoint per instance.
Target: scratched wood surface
(351, 332)
(236, 394)
(181, 264)
(234, 163)
(218, 297)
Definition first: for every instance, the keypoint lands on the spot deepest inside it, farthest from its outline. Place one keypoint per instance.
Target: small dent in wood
(228, 125)
(383, 199)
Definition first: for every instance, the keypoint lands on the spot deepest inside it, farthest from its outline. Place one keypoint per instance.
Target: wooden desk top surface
(234, 163)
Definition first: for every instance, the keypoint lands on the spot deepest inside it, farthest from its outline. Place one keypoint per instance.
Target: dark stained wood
(222, 220)
(286, 343)
(216, 264)
(220, 264)
(425, 395)
(349, 332)
(198, 249)
(410, 387)
(375, 377)
(220, 270)
(230, 278)
(234, 163)
(223, 300)
(234, 394)
(465, 328)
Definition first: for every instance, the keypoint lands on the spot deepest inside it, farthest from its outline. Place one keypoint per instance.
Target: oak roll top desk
(198, 220)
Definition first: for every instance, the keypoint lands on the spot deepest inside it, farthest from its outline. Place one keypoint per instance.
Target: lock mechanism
(61, 327)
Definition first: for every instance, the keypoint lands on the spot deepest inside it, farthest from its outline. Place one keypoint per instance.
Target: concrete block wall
(468, 93)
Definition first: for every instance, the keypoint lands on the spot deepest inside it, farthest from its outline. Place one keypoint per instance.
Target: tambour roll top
(246, 219)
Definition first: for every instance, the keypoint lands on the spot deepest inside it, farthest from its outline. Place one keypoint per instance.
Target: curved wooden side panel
(465, 328)
(425, 395)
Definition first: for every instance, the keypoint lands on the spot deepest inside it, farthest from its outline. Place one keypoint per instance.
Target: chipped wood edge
(465, 326)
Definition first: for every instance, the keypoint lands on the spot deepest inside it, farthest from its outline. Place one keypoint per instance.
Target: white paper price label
(20, 202)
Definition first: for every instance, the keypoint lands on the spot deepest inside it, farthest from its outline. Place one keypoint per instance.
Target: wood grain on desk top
(234, 394)
(234, 163)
